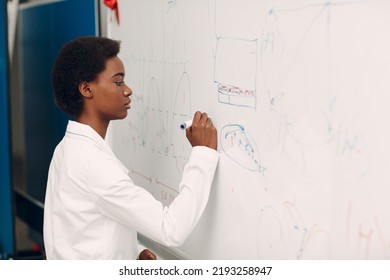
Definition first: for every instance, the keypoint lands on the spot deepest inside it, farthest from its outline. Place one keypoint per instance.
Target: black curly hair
(79, 60)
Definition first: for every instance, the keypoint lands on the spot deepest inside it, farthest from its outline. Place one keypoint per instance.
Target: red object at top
(113, 5)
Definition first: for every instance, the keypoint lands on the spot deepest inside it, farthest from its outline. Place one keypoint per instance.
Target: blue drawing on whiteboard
(235, 58)
(283, 233)
(235, 75)
(171, 5)
(239, 146)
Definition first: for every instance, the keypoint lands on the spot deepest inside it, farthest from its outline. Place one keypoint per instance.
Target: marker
(186, 124)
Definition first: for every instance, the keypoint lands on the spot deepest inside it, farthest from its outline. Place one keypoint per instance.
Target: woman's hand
(202, 131)
(147, 255)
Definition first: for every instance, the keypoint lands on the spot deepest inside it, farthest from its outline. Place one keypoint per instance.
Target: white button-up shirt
(93, 210)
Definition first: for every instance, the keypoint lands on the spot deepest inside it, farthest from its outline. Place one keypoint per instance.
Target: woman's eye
(119, 83)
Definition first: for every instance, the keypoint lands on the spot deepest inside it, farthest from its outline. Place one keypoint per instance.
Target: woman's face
(111, 96)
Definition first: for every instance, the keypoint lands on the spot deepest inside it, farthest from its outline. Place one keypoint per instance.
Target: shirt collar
(87, 132)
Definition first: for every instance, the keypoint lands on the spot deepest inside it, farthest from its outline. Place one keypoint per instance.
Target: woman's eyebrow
(118, 74)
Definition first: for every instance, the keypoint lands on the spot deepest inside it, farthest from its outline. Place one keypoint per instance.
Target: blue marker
(186, 124)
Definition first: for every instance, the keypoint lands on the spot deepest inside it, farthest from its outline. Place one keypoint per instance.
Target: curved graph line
(184, 80)
(181, 113)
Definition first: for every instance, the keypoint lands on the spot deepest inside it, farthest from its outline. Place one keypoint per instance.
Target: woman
(93, 210)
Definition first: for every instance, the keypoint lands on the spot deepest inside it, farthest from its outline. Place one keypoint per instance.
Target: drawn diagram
(162, 124)
(235, 75)
(283, 52)
(288, 57)
(235, 58)
(298, 91)
(162, 99)
(284, 234)
(240, 147)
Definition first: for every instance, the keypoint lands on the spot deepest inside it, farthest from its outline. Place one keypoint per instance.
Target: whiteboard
(299, 92)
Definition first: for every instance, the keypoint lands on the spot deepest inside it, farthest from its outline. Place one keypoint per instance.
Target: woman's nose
(128, 91)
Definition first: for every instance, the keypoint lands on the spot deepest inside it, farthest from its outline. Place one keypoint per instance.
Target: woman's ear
(85, 90)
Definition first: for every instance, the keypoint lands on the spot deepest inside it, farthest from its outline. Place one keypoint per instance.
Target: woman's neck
(98, 125)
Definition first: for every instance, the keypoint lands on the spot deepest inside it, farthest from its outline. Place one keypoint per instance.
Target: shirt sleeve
(118, 198)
